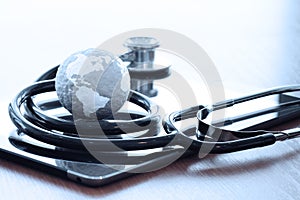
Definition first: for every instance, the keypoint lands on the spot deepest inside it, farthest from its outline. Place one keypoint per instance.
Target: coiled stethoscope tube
(54, 136)
(32, 124)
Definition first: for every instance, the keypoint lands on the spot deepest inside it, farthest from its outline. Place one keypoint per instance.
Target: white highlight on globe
(92, 82)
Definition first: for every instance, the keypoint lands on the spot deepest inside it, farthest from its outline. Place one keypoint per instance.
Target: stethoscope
(60, 133)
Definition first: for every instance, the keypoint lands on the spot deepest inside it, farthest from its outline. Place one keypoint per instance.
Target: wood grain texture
(254, 45)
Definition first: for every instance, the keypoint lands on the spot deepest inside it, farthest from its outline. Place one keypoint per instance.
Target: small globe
(92, 82)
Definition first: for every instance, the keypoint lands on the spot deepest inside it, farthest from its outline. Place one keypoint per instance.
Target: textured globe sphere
(92, 82)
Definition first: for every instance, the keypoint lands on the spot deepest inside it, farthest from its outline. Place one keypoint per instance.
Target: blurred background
(241, 37)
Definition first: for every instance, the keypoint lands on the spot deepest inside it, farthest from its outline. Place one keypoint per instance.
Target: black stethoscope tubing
(172, 136)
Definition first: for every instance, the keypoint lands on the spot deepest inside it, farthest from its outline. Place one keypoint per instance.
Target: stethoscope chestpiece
(142, 68)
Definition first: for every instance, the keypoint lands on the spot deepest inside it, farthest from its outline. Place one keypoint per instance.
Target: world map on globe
(92, 82)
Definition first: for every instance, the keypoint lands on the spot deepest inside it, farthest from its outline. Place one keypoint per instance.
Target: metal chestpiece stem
(141, 68)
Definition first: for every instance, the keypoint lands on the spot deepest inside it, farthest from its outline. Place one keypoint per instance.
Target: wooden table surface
(254, 45)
